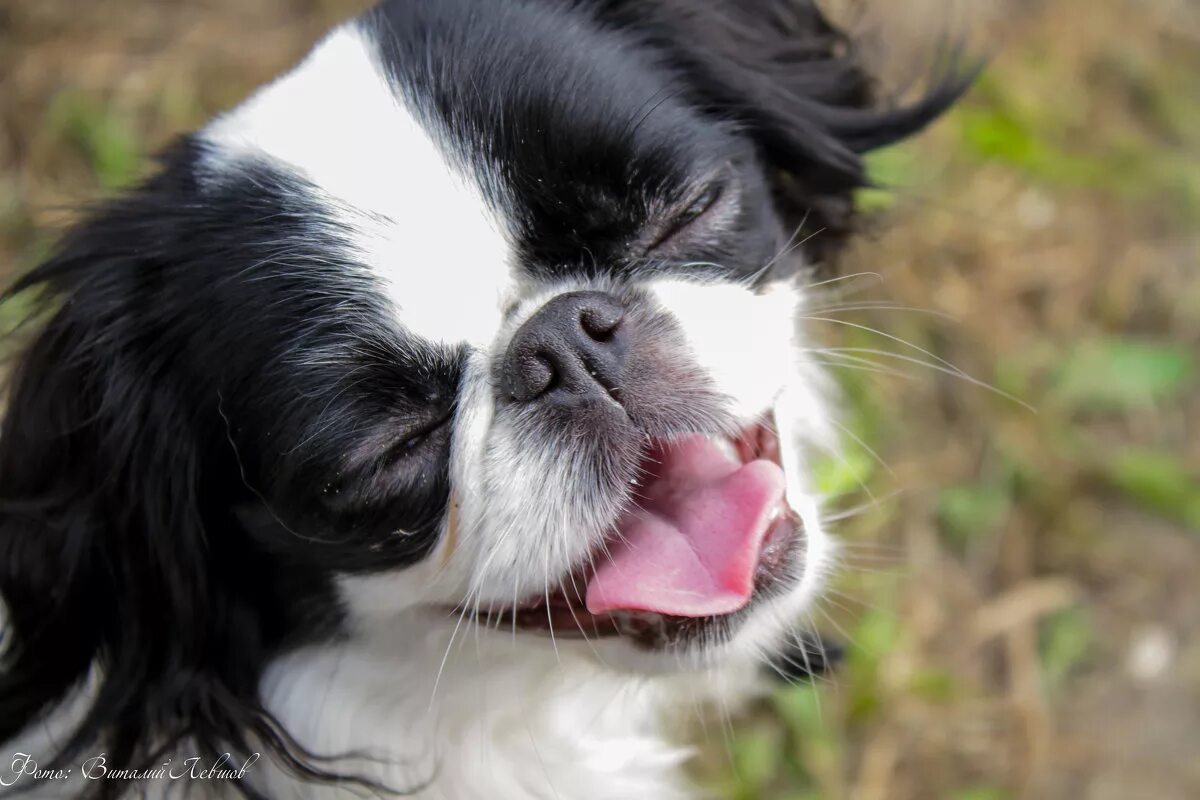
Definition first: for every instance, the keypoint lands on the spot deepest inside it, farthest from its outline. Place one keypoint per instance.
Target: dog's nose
(571, 350)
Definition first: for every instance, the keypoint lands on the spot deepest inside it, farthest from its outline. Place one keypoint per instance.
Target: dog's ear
(116, 556)
(781, 72)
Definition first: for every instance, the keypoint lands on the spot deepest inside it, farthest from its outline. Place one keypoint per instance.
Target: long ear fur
(119, 555)
(779, 70)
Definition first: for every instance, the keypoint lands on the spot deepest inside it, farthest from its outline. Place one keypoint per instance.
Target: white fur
(422, 227)
(505, 721)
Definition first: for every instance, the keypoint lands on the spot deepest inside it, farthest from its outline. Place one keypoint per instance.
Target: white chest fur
(503, 720)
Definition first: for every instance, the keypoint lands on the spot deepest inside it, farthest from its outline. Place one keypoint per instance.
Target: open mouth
(708, 532)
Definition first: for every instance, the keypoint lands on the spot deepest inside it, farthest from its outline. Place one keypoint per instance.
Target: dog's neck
(484, 716)
(500, 719)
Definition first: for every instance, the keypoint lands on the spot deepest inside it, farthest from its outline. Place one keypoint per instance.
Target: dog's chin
(627, 603)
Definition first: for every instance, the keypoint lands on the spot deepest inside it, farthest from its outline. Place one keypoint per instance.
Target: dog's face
(540, 381)
(486, 314)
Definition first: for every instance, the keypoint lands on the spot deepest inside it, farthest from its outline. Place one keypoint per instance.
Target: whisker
(942, 366)
(445, 657)
(867, 448)
(852, 276)
(893, 572)
(538, 753)
(856, 601)
(808, 666)
(549, 614)
(866, 557)
(237, 457)
(837, 627)
(578, 624)
(788, 249)
(802, 645)
(883, 306)
(854, 511)
(891, 337)
(862, 365)
(726, 719)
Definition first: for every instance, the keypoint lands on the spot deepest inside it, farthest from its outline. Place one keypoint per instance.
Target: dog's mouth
(708, 532)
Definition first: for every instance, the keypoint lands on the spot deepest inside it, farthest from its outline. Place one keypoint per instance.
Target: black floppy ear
(785, 75)
(115, 552)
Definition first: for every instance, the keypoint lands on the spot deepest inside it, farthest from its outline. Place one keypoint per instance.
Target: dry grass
(1020, 593)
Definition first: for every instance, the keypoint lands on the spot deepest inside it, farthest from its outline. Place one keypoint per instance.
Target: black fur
(215, 386)
(164, 487)
(807, 658)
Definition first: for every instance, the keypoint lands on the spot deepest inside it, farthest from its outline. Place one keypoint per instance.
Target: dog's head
(487, 311)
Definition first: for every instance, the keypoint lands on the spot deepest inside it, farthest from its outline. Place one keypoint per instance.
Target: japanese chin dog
(438, 419)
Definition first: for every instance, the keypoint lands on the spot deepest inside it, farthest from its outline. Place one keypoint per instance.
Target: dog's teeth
(726, 448)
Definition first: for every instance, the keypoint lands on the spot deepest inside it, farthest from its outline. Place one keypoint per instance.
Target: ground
(1016, 339)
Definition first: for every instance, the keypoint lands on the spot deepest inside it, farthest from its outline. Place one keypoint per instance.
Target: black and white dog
(431, 417)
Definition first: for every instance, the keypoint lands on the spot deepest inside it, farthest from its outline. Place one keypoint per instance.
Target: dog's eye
(390, 459)
(699, 205)
(414, 440)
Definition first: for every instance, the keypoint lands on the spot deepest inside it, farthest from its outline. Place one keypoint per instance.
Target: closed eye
(415, 439)
(700, 205)
(388, 463)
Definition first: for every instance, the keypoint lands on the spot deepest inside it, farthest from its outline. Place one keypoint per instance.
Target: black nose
(571, 351)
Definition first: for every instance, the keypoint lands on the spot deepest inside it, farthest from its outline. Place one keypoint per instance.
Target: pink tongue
(691, 549)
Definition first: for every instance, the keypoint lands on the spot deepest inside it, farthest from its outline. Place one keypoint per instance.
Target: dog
(439, 419)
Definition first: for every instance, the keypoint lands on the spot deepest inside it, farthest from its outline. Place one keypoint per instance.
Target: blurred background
(1016, 336)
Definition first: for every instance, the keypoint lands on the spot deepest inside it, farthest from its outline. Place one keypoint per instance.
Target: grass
(1002, 562)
